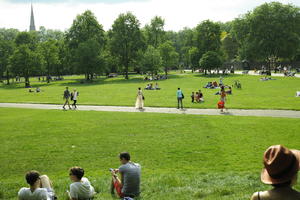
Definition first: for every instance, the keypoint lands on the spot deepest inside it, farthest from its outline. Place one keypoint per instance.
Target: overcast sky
(59, 14)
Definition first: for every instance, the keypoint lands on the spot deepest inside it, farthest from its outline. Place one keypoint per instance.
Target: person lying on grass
(129, 185)
(40, 187)
(81, 188)
(281, 167)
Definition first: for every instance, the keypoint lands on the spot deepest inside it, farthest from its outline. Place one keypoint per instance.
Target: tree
(126, 40)
(169, 55)
(186, 40)
(50, 52)
(6, 49)
(210, 60)
(84, 31)
(89, 55)
(208, 37)
(193, 57)
(151, 61)
(229, 47)
(271, 31)
(49, 34)
(155, 33)
(25, 62)
(28, 38)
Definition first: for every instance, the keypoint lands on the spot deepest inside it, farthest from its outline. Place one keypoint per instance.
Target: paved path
(273, 74)
(233, 112)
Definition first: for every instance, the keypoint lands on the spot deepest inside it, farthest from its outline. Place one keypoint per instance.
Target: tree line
(269, 33)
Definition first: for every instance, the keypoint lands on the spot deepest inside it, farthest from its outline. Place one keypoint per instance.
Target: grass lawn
(275, 94)
(183, 157)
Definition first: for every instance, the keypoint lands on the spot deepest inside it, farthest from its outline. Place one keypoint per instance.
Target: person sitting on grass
(229, 91)
(81, 188)
(215, 84)
(129, 185)
(281, 167)
(38, 90)
(197, 97)
(208, 85)
(193, 97)
(156, 87)
(201, 97)
(40, 187)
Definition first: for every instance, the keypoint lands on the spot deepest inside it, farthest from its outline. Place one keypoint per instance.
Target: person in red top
(221, 103)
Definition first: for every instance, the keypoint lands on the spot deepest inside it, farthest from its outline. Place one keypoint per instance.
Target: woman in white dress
(139, 104)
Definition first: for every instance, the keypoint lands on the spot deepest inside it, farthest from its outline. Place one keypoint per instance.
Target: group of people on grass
(197, 97)
(151, 87)
(126, 187)
(37, 90)
(73, 96)
(155, 77)
(281, 166)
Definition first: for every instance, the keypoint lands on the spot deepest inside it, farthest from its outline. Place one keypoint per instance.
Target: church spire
(32, 25)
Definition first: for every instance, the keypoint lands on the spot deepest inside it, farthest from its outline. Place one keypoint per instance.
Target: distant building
(32, 25)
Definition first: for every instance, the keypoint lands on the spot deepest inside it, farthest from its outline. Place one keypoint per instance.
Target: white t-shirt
(38, 194)
(75, 95)
(82, 190)
(298, 94)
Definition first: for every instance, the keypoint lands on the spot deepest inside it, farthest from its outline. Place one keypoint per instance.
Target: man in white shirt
(81, 188)
(40, 187)
(74, 96)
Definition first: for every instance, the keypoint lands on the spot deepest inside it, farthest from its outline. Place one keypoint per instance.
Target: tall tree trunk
(48, 74)
(27, 83)
(7, 77)
(126, 71)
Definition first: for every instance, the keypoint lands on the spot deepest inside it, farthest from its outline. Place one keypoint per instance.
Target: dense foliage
(270, 33)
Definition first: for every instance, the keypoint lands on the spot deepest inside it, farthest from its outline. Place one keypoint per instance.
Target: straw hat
(281, 164)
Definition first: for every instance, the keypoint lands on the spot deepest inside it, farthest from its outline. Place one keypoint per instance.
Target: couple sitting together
(229, 91)
(127, 187)
(212, 85)
(150, 87)
(198, 97)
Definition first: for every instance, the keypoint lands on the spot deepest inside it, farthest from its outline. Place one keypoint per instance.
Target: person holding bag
(139, 104)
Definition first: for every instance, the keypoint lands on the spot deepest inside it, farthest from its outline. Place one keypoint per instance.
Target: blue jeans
(179, 102)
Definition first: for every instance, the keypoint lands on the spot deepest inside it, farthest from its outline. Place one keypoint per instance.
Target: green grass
(183, 157)
(256, 94)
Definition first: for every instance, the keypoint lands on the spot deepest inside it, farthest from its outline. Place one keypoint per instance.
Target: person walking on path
(66, 98)
(74, 96)
(180, 96)
(281, 166)
(221, 103)
(139, 104)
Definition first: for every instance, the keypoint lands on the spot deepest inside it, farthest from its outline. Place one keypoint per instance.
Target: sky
(59, 14)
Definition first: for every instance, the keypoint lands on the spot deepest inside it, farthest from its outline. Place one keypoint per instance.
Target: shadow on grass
(217, 75)
(21, 85)
(108, 81)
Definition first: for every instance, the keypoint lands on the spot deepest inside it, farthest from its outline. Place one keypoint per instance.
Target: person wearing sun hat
(281, 167)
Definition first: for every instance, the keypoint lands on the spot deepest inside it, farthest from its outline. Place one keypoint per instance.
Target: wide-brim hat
(280, 165)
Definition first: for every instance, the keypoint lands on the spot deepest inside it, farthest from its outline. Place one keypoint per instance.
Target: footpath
(188, 111)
